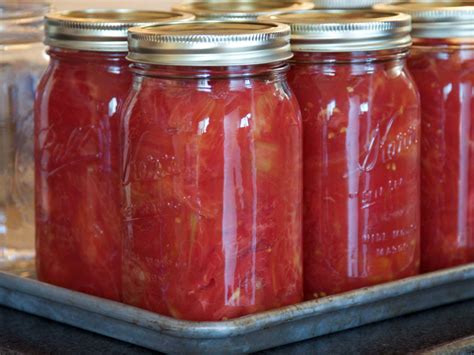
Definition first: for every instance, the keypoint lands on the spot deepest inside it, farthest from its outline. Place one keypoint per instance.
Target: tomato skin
(361, 125)
(78, 233)
(444, 74)
(212, 177)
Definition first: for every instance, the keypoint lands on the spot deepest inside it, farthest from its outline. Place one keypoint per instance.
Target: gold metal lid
(345, 30)
(348, 4)
(210, 43)
(452, 19)
(240, 10)
(101, 30)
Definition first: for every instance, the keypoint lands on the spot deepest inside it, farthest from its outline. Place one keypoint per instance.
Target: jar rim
(342, 30)
(101, 30)
(240, 10)
(210, 43)
(348, 4)
(437, 19)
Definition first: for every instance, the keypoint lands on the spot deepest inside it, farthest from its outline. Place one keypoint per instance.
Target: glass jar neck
(273, 69)
(79, 57)
(350, 57)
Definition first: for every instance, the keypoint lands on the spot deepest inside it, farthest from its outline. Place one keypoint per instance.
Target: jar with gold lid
(361, 126)
(212, 171)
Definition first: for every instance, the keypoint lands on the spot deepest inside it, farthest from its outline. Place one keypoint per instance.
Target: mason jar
(361, 124)
(78, 233)
(442, 64)
(212, 172)
(240, 10)
(22, 60)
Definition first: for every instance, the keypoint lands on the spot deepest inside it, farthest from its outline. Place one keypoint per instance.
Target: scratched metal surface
(252, 333)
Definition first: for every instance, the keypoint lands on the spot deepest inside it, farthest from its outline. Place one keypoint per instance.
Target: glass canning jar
(22, 60)
(361, 124)
(212, 172)
(77, 151)
(442, 64)
(240, 10)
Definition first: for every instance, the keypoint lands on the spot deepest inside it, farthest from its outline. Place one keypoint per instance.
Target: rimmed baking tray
(19, 290)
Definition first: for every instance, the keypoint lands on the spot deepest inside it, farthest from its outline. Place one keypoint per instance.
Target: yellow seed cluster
(391, 166)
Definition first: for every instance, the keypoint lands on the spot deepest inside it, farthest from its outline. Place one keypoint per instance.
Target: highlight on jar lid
(345, 30)
(210, 43)
(348, 4)
(240, 10)
(437, 19)
(101, 30)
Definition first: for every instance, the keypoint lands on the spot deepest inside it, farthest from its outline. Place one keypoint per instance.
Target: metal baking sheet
(19, 290)
(456, 347)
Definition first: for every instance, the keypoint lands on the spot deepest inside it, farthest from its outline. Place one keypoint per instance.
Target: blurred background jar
(22, 61)
(61, 5)
(240, 10)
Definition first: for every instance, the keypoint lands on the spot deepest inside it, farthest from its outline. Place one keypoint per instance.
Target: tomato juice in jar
(212, 172)
(442, 64)
(361, 126)
(240, 10)
(78, 224)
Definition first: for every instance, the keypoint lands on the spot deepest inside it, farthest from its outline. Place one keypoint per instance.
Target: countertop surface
(24, 334)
